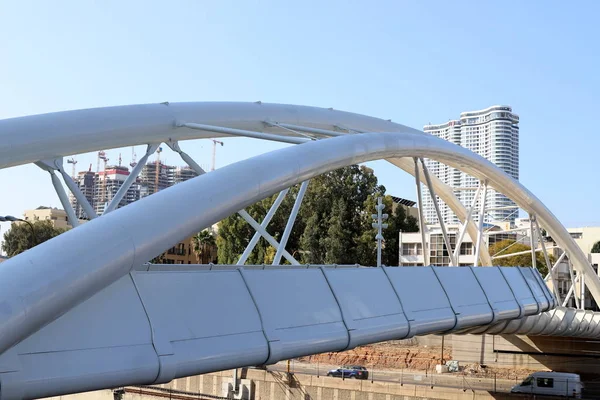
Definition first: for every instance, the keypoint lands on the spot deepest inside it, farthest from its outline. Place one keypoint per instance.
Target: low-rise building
(411, 247)
(184, 253)
(57, 216)
(585, 237)
(407, 205)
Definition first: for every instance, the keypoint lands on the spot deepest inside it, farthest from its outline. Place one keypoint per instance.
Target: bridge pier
(564, 354)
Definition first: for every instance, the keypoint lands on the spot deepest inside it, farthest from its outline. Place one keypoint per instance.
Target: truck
(551, 383)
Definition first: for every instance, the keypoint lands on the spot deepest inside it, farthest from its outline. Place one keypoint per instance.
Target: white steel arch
(35, 292)
(40, 286)
(51, 136)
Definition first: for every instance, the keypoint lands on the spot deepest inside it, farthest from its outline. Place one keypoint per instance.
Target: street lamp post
(10, 218)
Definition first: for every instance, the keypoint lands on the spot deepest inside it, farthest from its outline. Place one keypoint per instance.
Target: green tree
(20, 236)
(203, 244)
(332, 226)
(339, 248)
(340, 194)
(596, 247)
(235, 234)
(509, 246)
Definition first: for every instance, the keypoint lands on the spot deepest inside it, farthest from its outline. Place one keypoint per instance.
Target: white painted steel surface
(47, 286)
(130, 238)
(47, 136)
(154, 326)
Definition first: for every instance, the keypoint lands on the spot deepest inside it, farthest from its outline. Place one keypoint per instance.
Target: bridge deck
(153, 326)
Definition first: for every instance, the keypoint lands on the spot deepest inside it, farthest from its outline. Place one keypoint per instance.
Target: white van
(551, 384)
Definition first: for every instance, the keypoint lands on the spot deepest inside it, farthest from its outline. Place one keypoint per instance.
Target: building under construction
(155, 176)
(86, 180)
(100, 187)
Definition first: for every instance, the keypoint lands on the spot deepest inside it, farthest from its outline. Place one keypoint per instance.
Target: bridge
(94, 317)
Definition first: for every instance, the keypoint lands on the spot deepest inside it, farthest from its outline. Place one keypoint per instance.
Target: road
(450, 380)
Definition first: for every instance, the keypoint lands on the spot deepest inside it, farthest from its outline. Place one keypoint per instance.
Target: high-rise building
(108, 184)
(86, 180)
(99, 188)
(156, 176)
(493, 133)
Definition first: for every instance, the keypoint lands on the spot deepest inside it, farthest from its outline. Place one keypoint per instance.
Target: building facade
(99, 188)
(185, 253)
(493, 133)
(108, 184)
(86, 181)
(411, 247)
(56, 216)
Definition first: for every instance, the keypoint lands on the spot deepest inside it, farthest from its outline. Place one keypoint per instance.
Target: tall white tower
(493, 133)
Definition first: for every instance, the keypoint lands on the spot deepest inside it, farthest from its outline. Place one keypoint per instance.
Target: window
(545, 382)
(576, 235)
(412, 249)
(527, 382)
(466, 249)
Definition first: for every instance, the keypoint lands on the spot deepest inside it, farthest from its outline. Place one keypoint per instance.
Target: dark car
(351, 372)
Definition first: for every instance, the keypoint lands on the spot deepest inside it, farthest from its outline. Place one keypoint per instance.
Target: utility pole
(214, 153)
(379, 225)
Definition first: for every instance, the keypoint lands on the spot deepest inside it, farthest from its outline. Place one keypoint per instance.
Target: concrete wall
(537, 352)
(279, 386)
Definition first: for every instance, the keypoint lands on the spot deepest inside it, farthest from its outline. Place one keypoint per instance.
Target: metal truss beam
(424, 246)
(241, 132)
(449, 248)
(532, 240)
(463, 226)
(243, 213)
(114, 203)
(324, 132)
(556, 264)
(248, 218)
(81, 199)
(290, 223)
(264, 224)
(445, 193)
(480, 242)
(174, 145)
(547, 259)
(50, 167)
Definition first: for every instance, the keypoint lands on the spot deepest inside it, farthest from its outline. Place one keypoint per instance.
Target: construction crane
(133, 162)
(102, 156)
(214, 153)
(73, 161)
(158, 151)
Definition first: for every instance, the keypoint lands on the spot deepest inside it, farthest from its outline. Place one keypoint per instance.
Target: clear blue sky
(412, 61)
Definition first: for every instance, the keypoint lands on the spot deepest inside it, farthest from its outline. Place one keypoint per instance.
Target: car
(351, 372)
